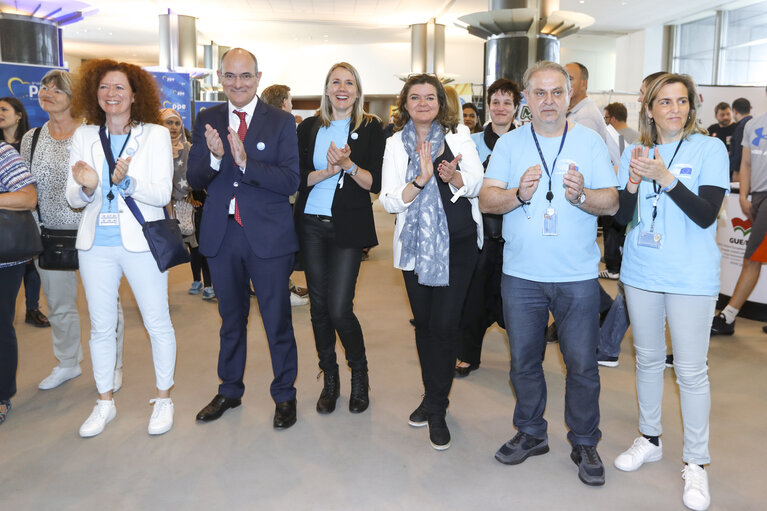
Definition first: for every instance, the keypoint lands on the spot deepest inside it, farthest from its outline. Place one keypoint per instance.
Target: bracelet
(671, 186)
(416, 184)
(634, 182)
(353, 170)
(523, 202)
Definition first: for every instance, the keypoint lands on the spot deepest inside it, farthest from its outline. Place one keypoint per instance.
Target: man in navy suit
(245, 155)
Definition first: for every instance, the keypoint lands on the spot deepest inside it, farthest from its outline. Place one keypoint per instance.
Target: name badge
(550, 222)
(109, 219)
(650, 239)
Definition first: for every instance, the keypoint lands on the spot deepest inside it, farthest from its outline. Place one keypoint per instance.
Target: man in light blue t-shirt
(550, 179)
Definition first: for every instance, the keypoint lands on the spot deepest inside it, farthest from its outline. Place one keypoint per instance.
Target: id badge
(650, 239)
(109, 219)
(550, 222)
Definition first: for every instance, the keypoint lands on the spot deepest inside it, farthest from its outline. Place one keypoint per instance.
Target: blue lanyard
(657, 188)
(549, 194)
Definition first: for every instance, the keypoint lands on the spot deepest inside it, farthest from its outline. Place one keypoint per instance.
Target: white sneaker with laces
(162, 416)
(641, 451)
(102, 413)
(296, 300)
(118, 380)
(696, 495)
(604, 274)
(58, 376)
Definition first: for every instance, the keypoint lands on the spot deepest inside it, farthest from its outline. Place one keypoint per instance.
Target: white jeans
(101, 269)
(689, 322)
(60, 288)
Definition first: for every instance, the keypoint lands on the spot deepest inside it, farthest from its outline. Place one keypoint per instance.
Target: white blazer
(150, 170)
(393, 182)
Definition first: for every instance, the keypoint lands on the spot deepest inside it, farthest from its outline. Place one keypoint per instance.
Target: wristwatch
(580, 200)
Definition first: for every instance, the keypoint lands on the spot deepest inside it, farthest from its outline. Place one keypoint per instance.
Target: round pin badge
(261, 146)
(130, 151)
(355, 136)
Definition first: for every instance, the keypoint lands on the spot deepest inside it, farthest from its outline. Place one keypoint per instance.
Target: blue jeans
(575, 306)
(614, 328)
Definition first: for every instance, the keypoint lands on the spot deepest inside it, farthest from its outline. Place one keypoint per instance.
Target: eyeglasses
(244, 77)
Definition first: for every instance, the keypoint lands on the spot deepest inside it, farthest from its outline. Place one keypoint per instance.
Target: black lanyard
(107, 147)
(549, 194)
(657, 188)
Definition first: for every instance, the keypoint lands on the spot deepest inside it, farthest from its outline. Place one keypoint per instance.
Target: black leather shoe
(217, 407)
(463, 372)
(330, 392)
(359, 399)
(285, 414)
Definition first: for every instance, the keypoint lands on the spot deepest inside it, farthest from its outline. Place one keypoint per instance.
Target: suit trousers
(10, 282)
(231, 269)
(60, 288)
(101, 269)
(437, 314)
(331, 275)
(483, 305)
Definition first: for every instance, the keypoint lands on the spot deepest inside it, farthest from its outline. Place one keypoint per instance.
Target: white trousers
(101, 269)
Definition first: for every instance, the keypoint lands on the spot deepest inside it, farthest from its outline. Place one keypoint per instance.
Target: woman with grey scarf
(431, 177)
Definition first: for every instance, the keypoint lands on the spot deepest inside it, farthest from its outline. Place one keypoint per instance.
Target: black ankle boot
(330, 392)
(359, 399)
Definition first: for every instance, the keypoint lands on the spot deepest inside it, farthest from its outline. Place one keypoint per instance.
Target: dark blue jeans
(575, 306)
(614, 327)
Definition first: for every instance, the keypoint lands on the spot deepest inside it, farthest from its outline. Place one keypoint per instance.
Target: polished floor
(344, 461)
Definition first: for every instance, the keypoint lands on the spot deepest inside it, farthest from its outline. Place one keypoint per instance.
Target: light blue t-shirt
(572, 255)
(482, 149)
(109, 235)
(688, 260)
(320, 199)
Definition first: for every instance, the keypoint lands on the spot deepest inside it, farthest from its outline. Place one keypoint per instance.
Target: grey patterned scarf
(425, 237)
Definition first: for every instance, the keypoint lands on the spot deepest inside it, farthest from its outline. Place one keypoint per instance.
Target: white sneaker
(118, 381)
(696, 494)
(641, 451)
(296, 300)
(58, 376)
(102, 413)
(162, 416)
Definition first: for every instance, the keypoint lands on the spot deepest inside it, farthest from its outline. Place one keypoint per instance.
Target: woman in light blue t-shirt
(677, 178)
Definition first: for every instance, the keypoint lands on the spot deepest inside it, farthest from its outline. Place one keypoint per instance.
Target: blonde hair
(358, 112)
(455, 112)
(648, 131)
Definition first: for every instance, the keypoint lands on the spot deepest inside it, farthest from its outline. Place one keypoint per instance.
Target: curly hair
(443, 116)
(145, 108)
(23, 125)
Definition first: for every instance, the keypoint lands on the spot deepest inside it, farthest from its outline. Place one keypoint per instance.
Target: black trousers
(614, 234)
(331, 276)
(10, 282)
(483, 305)
(437, 314)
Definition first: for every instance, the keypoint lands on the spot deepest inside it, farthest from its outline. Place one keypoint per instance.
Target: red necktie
(242, 129)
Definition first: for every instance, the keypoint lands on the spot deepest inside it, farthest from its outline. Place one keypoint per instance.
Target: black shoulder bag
(59, 252)
(163, 236)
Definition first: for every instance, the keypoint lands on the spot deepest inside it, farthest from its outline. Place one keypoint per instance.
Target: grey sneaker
(591, 471)
(521, 447)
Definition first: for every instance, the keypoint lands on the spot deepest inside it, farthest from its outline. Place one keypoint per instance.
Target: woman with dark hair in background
(471, 117)
(14, 122)
(340, 152)
(431, 178)
(121, 104)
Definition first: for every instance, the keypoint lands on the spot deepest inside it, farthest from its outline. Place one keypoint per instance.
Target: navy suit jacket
(271, 176)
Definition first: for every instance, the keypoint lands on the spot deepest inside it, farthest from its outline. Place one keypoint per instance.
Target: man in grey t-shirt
(753, 202)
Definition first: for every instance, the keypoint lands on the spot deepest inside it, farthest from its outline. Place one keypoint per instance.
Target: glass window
(694, 49)
(744, 50)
